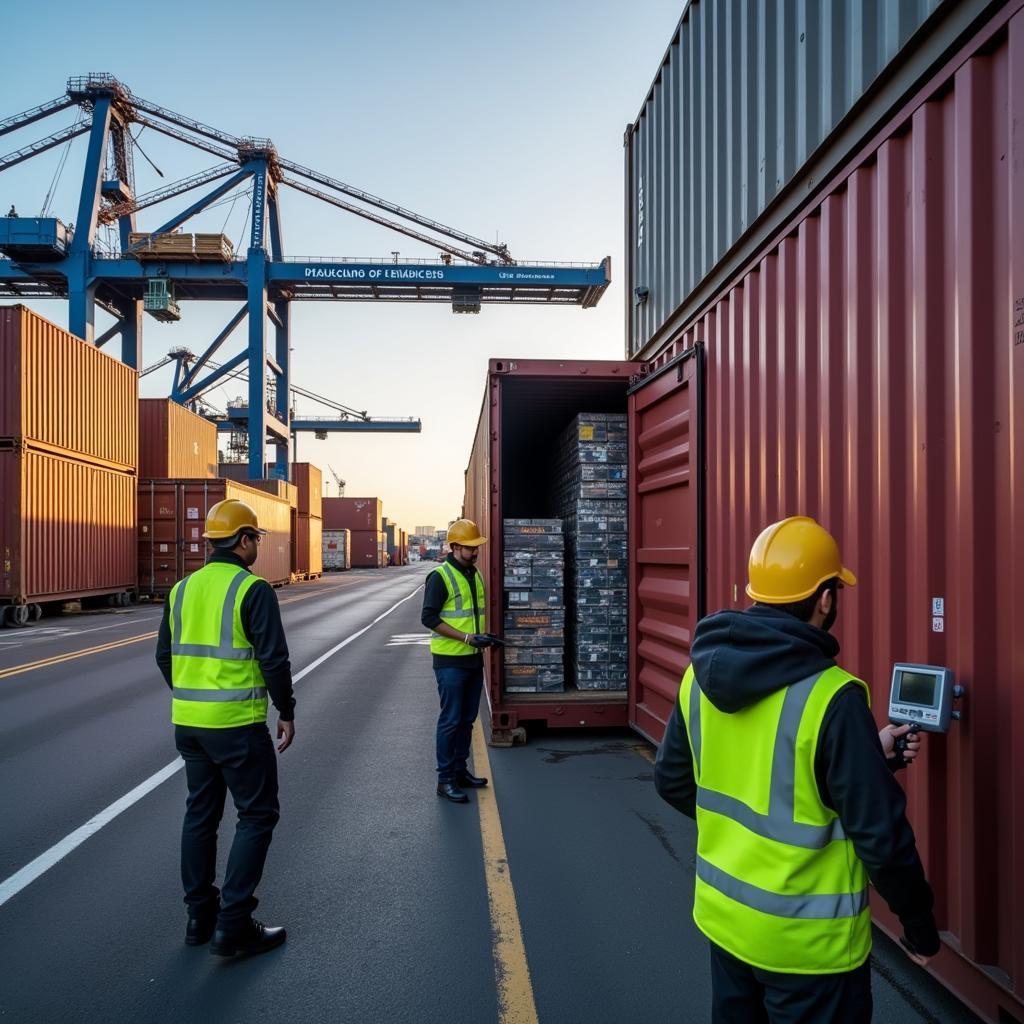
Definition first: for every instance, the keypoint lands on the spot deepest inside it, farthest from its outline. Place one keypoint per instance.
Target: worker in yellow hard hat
(454, 609)
(222, 650)
(771, 746)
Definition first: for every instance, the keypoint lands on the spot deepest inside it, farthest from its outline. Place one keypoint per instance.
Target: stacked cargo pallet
(534, 606)
(591, 493)
(180, 246)
(68, 464)
(363, 518)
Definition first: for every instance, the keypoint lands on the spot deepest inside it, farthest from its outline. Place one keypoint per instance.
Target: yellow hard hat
(466, 533)
(227, 517)
(791, 558)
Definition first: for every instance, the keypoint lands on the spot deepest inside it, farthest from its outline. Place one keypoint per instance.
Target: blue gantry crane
(154, 272)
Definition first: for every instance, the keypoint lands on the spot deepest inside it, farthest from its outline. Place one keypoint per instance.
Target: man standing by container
(222, 650)
(453, 607)
(772, 748)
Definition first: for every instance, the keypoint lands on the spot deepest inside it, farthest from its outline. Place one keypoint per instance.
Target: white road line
(31, 871)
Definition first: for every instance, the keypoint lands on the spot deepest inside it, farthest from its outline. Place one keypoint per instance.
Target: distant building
(425, 531)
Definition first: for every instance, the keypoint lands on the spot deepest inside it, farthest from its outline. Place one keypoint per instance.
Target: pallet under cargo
(574, 709)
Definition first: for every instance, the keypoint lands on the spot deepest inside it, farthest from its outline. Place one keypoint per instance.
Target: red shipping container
(172, 517)
(308, 546)
(64, 396)
(67, 527)
(867, 368)
(367, 549)
(174, 442)
(527, 403)
(354, 514)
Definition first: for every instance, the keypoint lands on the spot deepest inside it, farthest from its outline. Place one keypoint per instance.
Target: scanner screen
(917, 688)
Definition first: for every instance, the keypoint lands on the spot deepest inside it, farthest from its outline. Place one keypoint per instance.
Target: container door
(666, 534)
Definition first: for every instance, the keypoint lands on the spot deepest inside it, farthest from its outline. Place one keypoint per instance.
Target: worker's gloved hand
(496, 641)
(479, 640)
(901, 744)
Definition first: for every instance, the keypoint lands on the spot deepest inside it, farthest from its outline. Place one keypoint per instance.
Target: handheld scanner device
(922, 696)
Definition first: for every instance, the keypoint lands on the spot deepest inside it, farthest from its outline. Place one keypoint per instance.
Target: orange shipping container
(279, 488)
(172, 516)
(64, 396)
(174, 442)
(310, 481)
(309, 540)
(67, 527)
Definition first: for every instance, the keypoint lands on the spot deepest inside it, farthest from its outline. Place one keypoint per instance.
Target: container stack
(534, 606)
(362, 517)
(69, 453)
(172, 517)
(591, 493)
(307, 540)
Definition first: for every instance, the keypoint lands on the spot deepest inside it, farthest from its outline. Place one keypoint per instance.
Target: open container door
(666, 531)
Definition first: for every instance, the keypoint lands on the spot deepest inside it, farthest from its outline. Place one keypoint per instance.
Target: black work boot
(254, 938)
(452, 792)
(470, 781)
(199, 930)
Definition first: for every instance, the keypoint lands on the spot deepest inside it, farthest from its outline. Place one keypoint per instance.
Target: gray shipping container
(753, 106)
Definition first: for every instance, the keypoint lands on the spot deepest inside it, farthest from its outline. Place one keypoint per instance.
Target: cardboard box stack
(534, 606)
(591, 495)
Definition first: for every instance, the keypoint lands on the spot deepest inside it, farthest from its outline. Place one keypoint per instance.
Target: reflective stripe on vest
(778, 883)
(217, 681)
(457, 611)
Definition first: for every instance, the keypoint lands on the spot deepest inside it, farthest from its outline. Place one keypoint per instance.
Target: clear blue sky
(502, 120)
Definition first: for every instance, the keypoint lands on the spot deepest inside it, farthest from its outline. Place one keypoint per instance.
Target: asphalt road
(382, 886)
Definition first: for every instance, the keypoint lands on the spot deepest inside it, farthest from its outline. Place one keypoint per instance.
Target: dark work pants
(459, 690)
(741, 994)
(243, 761)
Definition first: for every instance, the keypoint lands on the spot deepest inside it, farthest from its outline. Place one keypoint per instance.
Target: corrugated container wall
(172, 515)
(309, 552)
(309, 480)
(868, 369)
(174, 442)
(239, 471)
(67, 528)
(352, 514)
(367, 549)
(746, 93)
(58, 393)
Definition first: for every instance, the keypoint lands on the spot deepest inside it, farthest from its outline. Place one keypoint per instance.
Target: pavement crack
(659, 833)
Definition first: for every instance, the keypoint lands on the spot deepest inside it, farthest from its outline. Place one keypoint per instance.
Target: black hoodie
(740, 658)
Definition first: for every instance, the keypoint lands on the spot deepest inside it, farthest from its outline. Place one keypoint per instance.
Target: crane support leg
(282, 355)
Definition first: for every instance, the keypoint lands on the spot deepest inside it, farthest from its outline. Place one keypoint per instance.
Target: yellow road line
(29, 666)
(511, 971)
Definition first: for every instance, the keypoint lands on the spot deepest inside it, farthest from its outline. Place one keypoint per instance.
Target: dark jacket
(740, 658)
(261, 621)
(435, 594)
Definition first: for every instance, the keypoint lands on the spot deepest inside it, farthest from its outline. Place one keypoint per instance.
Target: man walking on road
(453, 607)
(222, 650)
(773, 749)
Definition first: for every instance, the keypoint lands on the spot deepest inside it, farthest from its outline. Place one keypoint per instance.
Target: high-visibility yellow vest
(217, 680)
(778, 883)
(458, 611)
